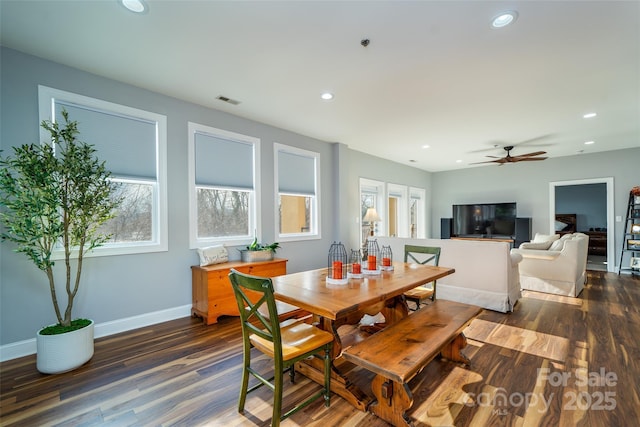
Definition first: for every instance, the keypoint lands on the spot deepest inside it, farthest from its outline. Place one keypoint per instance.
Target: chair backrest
(422, 254)
(261, 288)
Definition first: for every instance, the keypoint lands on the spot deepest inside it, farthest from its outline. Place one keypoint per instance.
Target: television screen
(484, 220)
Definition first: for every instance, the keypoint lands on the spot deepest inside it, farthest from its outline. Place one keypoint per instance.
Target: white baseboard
(27, 347)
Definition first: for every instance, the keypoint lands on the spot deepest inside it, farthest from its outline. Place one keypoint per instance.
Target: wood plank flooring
(554, 361)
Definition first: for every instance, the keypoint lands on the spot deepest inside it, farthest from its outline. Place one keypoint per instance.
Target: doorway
(586, 226)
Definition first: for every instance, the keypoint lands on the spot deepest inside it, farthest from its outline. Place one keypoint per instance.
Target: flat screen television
(484, 220)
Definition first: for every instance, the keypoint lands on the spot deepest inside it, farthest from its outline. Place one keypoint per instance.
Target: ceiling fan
(513, 159)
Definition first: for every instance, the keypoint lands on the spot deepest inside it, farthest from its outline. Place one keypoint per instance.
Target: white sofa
(486, 272)
(554, 264)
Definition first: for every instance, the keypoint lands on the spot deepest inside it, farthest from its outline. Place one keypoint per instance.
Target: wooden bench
(400, 351)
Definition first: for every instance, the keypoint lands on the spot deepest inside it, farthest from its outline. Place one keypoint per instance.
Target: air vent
(228, 100)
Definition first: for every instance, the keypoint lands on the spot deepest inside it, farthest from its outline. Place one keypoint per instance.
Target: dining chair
(286, 343)
(426, 255)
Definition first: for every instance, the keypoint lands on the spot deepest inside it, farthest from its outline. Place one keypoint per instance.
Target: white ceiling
(435, 73)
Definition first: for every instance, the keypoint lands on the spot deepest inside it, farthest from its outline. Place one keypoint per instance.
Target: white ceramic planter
(64, 352)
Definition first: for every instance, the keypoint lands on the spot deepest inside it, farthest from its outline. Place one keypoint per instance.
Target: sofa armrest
(515, 258)
(536, 254)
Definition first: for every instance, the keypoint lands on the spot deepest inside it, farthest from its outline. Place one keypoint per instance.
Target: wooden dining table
(335, 305)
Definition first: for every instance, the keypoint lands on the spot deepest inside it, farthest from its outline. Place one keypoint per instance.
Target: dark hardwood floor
(554, 361)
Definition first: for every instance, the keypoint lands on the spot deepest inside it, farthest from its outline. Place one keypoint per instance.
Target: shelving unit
(631, 237)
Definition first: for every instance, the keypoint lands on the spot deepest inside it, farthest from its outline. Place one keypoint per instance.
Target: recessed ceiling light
(458, 161)
(425, 146)
(137, 6)
(504, 19)
(327, 96)
(589, 115)
(589, 142)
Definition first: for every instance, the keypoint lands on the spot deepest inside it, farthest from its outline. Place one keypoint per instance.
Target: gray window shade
(126, 144)
(296, 174)
(222, 162)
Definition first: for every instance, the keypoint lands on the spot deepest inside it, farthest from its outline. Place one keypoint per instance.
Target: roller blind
(223, 162)
(296, 174)
(127, 144)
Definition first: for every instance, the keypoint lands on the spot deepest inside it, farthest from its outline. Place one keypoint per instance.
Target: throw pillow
(213, 255)
(557, 245)
(543, 246)
(545, 237)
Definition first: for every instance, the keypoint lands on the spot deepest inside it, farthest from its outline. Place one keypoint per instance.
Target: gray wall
(120, 287)
(527, 183)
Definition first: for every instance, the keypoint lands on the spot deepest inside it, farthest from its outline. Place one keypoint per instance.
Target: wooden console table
(212, 295)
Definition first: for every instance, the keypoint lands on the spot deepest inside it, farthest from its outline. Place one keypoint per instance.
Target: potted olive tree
(54, 197)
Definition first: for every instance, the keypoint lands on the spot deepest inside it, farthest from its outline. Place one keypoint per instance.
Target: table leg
(393, 399)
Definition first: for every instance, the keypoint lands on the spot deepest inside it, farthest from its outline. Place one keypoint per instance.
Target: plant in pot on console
(54, 197)
(259, 251)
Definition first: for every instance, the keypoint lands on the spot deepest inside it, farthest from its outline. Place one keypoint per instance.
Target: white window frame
(47, 98)
(315, 230)
(254, 207)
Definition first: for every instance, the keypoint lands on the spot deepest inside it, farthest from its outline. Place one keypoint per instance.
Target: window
(371, 196)
(133, 143)
(297, 181)
(417, 214)
(398, 217)
(223, 186)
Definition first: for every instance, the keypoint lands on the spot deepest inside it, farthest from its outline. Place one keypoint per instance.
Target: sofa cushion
(543, 246)
(545, 237)
(557, 245)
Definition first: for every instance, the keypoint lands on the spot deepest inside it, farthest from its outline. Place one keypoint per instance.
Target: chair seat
(285, 311)
(420, 293)
(297, 338)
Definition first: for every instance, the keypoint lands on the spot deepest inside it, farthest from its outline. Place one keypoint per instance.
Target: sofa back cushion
(557, 245)
(545, 237)
(542, 246)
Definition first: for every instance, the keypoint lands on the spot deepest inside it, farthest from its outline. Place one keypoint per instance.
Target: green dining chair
(426, 255)
(286, 343)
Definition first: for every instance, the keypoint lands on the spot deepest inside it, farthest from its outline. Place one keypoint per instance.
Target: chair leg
(246, 362)
(277, 396)
(327, 375)
(292, 373)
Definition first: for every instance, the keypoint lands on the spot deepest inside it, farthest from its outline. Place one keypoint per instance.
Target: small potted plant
(54, 197)
(259, 251)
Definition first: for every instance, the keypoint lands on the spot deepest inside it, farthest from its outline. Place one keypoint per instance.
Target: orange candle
(355, 268)
(337, 269)
(372, 262)
(386, 262)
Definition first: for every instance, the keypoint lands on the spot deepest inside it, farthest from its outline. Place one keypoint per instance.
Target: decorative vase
(64, 352)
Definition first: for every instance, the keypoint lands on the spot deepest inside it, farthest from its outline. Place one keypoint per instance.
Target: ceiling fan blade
(499, 160)
(529, 159)
(499, 145)
(537, 153)
(537, 138)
